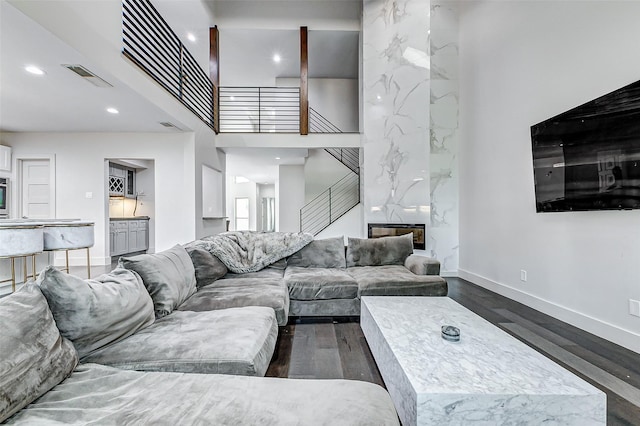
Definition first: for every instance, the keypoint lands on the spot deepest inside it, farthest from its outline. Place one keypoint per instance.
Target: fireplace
(377, 230)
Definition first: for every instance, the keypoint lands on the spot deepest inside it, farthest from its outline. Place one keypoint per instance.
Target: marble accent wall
(442, 235)
(410, 108)
(395, 85)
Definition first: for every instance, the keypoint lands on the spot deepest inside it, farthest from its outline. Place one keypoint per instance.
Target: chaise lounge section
(41, 383)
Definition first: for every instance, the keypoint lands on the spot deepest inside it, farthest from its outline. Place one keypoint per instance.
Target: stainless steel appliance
(4, 197)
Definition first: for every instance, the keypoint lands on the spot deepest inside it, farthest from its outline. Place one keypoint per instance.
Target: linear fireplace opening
(377, 230)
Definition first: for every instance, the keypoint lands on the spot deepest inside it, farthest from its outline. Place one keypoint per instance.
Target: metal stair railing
(331, 204)
(319, 124)
(350, 157)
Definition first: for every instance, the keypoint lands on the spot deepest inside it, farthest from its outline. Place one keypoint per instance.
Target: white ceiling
(61, 101)
(260, 165)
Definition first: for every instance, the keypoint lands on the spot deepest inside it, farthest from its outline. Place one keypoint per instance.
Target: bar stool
(21, 240)
(69, 235)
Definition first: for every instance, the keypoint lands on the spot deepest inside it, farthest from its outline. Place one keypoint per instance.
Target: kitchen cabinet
(128, 235)
(5, 158)
(122, 181)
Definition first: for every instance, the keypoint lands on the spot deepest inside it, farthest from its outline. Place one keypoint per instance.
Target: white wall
(521, 63)
(289, 198)
(80, 168)
(336, 99)
(349, 225)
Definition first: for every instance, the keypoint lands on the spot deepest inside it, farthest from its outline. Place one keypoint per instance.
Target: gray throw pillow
(34, 356)
(169, 277)
(326, 253)
(379, 251)
(97, 312)
(208, 268)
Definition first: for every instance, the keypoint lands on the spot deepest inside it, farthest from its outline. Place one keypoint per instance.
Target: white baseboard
(620, 336)
(449, 274)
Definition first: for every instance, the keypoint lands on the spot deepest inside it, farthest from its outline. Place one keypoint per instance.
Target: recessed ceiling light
(112, 110)
(378, 97)
(277, 158)
(34, 70)
(276, 58)
(191, 37)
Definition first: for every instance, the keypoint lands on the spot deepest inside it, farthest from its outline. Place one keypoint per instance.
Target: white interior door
(36, 189)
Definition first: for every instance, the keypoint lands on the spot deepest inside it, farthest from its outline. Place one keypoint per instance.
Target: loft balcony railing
(150, 43)
(259, 109)
(331, 204)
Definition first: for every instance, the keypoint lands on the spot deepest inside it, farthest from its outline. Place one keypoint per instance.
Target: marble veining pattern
(396, 111)
(488, 377)
(442, 236)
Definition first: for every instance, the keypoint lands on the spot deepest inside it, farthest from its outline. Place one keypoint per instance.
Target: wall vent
(87, 75)
(169, 125)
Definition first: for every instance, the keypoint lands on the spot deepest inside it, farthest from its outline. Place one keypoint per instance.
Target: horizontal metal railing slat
(150, 43)
(331, 204)
(259, 109)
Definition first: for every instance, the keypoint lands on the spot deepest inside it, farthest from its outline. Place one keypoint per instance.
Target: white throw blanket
(250, 251)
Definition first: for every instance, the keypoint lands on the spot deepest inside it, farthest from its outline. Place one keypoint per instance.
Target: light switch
(88, 195)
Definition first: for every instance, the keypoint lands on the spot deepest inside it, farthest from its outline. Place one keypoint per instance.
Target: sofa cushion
(326, 253)
(422, 265)
(169, 277)
(208, 268)
(379, 251)
(94, 313)
(34, 357)
(319, 283)
(266, 273)
(395, 280)
(228, 341)
(96, 394)
(235, 293)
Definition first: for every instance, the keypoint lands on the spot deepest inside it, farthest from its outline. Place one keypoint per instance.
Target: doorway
(36, 188)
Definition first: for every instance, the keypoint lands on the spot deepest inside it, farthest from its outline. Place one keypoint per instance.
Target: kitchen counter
(130, 218)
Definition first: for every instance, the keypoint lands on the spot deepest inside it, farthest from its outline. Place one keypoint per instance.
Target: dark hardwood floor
(330, 348)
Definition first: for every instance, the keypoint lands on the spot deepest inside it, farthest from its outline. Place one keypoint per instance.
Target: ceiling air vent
(87, 75)
(169, 125)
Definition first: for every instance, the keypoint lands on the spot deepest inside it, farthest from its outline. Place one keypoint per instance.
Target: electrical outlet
(634, 307)
(523, 275)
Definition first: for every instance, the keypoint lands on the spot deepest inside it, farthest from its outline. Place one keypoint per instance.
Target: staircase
(338, 199)
(331, 205)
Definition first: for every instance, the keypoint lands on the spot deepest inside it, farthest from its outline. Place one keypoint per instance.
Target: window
(242, 214)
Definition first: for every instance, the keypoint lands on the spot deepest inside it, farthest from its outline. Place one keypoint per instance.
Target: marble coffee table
(488, 377)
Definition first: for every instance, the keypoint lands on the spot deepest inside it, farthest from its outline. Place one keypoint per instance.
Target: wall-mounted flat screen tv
(588, 158)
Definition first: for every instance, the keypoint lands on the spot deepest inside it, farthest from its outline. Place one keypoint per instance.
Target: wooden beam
(214, 73)
(304, 83)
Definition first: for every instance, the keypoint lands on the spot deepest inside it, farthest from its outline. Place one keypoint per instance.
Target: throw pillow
(97, 312)
(379, 251)
(35, 357)
(326, 253)
(208, 268)
(168, 275)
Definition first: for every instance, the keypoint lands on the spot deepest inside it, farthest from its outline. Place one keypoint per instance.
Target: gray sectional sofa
(42, 383)
(174, 337)
(324, 278)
